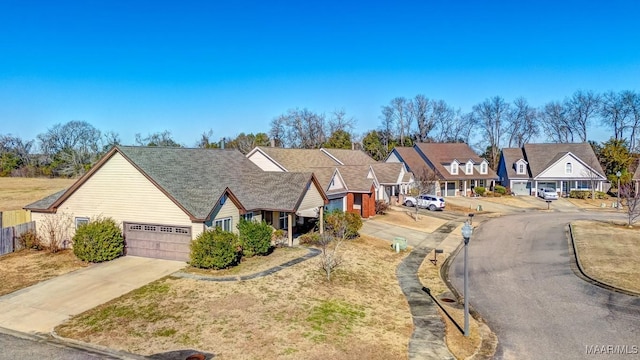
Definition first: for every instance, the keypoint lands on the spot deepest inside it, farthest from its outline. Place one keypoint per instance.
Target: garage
(157, 241)
(521, 187)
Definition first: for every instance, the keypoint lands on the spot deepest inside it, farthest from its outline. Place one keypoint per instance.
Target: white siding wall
(393, 158)
(557, 171)
(337, 182)
(119, 191)
(227, 210)
(312, 198)
(264, 162)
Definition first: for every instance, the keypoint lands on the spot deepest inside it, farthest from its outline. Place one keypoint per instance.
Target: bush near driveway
(98, 241)
(255, 237)
(215, 249)
(337, 222)
(586, 194)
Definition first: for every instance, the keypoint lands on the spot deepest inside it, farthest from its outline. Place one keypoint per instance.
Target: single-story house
(562, 167)
(347, 176)
(165, 197)
(456, 167)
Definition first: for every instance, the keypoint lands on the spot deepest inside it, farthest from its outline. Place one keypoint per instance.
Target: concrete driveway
(41, 307)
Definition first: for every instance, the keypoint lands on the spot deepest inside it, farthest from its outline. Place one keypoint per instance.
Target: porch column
(290, 228)
(321, 215)
(465, 188)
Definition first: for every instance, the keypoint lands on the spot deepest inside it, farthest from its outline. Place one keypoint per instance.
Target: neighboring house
(347, 176)
(165, 197)
(562, 167)
(458, 169)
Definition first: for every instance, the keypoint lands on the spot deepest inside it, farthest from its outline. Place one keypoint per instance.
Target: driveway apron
(41, 307)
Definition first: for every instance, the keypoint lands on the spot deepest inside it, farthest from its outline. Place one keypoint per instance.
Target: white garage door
(521, 187)
(157, 241)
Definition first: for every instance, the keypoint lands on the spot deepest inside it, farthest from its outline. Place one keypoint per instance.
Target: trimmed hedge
(499, 189)
(480, 190)
(255, 237)
(215, 249)
(98, 241)
(586, 194)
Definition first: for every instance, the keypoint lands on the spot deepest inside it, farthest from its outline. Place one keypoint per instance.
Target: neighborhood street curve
(521, 281)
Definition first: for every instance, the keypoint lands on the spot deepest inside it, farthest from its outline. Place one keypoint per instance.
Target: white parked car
(431, 202)
(548, 194)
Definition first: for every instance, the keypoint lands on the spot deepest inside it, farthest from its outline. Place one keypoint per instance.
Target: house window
(568, 169)
(284, 221)
(223, 224)
(483, 168)
(248, 216)
(469, 169)
(81, 221)
(454, 169)
(582, 184)
(520, 168)
(481, 183)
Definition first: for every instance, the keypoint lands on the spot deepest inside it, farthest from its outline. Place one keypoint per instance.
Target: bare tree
(397, 113)
(163, 138)
(523, 124)
(299, 129)
(425, 182)
(493, 116)
(418, 110)
(54, 229)
(246, 142)
(581, 107)
(632, 199)
(71, 148)
(340, 121)
(631, 100)
(386, 131)
(555, 123)
(615, 112)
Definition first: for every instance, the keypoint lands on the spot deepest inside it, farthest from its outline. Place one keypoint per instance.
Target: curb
(583, 275)
(311, 254)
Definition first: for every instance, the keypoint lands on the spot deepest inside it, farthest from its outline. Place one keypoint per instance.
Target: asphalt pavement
(521, 281)
(24, 347)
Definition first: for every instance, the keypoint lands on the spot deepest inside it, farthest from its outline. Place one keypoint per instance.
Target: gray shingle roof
(411, 159)
(510, 156)
(299, 159)
(440, 154)
(541, 156)
(197, 178)
(46, 202)
(355, 177)
(351, 157)
(387, 173)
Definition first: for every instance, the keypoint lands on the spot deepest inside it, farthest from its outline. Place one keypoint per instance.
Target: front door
(565, 188)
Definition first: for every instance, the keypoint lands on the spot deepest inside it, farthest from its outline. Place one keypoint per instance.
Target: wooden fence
(9, 237)
(14, 217)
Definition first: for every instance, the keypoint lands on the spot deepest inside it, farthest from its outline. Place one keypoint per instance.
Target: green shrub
(480, 190)
(98, 241)
(498, 189)
(312, 238)
(215, 249)
(339, 224)
(255, 237)
(586, 194)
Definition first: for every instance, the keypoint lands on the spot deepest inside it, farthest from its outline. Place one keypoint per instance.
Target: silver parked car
(548, 194)
(425, 201)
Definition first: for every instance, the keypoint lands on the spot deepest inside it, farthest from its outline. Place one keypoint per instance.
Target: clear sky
(232, 66)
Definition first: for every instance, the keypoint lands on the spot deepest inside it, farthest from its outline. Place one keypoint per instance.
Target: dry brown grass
(28, 267)
(406, 217)
(254, 264)
(591, 203)
(292, 314)
(459, 345)
(16, 192)
(609, 252)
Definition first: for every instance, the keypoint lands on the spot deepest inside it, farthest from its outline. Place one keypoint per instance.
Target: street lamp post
(618, 175)
(467, 230)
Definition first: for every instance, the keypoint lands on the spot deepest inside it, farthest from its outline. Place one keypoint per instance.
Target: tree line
(70, 149)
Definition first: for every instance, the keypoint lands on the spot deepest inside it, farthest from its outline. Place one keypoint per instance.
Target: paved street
(20, 348)
(522, 283)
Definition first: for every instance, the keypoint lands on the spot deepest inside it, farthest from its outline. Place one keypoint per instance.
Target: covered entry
(157, 241)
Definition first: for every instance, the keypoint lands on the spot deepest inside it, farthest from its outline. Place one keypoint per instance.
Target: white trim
(257, 149)
(562, 159)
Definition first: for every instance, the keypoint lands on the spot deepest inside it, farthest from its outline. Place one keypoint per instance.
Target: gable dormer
(468, 168)
(453, 167)
(520, 167)
(484, 167)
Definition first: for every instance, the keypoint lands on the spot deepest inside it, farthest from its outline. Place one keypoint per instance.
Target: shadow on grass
(182, 355)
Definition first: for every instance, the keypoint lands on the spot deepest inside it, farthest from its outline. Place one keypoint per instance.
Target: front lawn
(609, 252)
(292, 314)
(28, 267)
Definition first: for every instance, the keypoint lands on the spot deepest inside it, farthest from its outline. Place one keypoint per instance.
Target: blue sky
(190, 66)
